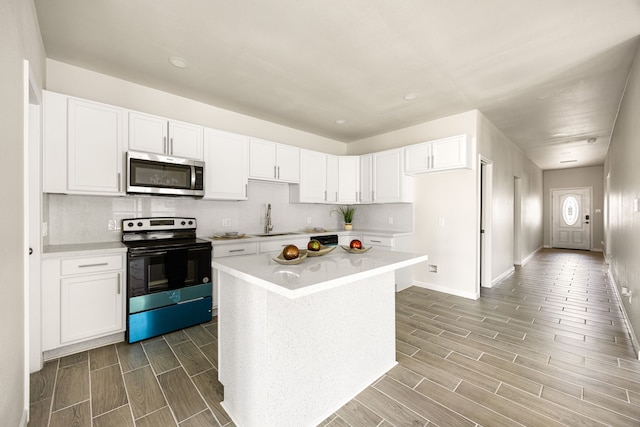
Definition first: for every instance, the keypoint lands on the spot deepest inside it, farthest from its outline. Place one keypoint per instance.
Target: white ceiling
(308, 63)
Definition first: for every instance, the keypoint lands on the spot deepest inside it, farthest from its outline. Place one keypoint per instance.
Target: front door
(571, 218)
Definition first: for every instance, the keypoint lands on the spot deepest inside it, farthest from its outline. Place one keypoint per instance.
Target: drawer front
(278, 245)
(220, 251)
(378, 241)
(91, 264)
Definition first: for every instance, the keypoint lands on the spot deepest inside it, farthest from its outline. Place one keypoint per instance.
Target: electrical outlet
(390, 220)
(112, 225)
(432, 268)
(45, 229)
(226, 222)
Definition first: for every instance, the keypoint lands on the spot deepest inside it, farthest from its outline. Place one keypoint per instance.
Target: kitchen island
(296, 342)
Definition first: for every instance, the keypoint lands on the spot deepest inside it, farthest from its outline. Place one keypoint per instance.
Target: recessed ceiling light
(545, 96)
(410, 96)
(341, 121)
(591, 140)
(568, 161)
(178, 62)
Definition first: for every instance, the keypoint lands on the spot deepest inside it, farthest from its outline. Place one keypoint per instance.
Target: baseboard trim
(634, 338)
(503, 276)
(444, 289)
(83, 346)
(25, 418)
(529, 257)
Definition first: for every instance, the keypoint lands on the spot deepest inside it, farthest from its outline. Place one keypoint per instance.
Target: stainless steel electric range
(168, 276)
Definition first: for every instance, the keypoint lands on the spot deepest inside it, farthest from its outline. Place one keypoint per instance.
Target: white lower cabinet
(83, 298)
(226, 250)
(278, 245)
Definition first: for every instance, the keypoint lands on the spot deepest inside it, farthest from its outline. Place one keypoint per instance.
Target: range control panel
(165, 223)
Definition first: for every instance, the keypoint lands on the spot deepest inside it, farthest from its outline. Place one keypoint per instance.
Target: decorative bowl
(323, 251)
(281, 260)
(231, 234)
(353, 250)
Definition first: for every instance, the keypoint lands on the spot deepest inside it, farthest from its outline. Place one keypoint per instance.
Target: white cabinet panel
(313, 178)
(332, 179)
(438, 155)
(153, 134)
(390, 184)
(366, 179)
(227, 163)
(95, 141)
(90, 306)
(278, 245)
(348, 179)
(234, 249)
(273, 162)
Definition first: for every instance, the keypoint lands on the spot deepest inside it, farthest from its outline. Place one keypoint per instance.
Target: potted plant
(347, 215)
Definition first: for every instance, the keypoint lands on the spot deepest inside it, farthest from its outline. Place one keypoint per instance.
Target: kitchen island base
(295, 361)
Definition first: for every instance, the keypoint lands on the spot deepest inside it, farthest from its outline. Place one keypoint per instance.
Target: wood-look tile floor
(548, 346)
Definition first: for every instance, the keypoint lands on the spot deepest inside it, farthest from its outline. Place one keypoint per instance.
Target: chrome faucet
(268, 226)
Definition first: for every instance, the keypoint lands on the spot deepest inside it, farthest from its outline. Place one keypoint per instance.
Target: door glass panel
(570, 210)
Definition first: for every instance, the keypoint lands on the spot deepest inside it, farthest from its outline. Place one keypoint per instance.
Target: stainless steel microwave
(149, 173)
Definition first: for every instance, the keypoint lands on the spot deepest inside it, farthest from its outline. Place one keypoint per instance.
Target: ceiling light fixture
(591, 140)
(410, 96)
(341, 121)
(178, 62)
(568, 161)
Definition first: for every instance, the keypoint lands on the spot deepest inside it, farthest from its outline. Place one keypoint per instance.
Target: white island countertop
(314, 274)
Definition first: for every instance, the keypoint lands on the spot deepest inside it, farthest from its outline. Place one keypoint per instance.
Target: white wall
(509, 162)
(593, 177)
(83, 83)
(622, 186)
(450, 196)
(21, 40)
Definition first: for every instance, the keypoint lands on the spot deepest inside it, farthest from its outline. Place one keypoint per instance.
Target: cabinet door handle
(325, 195)
(336, 197)
(119, 182)
(375, 241)
(164, 144)
(93, 265)
(171, 146)
(118, 284)
(246, 190)
(274, 171)
(236, 250)
(278, 172)
(373, 196)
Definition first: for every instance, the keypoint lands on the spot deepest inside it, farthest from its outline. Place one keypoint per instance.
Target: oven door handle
(146, 254)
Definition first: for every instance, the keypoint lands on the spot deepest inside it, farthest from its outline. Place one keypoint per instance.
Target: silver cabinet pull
(373, 196)
(118, 283)
(376, 241)
(171, 146)
(274, 171)
(119, 182)
(164, 144)
(236, 250)
(246, 190)
(325, 195)
(93, 265)
(278, 172)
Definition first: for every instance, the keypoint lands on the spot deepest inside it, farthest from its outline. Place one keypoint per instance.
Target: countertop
(80, 249)
(248, 238)
(315, 274)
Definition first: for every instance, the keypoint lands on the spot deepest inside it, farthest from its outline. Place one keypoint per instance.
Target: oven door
(157, 270)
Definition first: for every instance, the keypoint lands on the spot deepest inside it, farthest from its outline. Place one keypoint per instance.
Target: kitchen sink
(274, 234)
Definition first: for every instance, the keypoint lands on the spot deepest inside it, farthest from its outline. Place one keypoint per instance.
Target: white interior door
(571, 218)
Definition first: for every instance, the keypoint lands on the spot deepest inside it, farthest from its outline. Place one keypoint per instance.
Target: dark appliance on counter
(168, 276)
(164, 175)
(327, 240)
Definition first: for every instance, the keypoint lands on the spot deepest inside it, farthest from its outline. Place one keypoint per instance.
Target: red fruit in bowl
(355, 244)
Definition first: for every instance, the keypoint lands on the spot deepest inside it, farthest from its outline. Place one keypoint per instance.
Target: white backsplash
(85, 219)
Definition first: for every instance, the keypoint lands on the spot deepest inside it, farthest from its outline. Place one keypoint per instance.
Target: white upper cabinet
(83, 146)
(313, 178)
(226, 156)
(153, 134)
(390, 184)
(271, 161)
(348, 179)
(438, 155)
(332, 179)
(366, 179)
